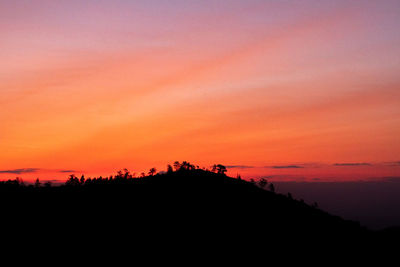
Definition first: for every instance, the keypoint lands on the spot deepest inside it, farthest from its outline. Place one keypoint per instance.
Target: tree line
(125, 176)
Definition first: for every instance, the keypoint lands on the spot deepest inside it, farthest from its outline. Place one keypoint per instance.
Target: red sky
(95, 86)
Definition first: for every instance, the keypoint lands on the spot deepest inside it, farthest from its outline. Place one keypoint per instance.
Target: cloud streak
(239, 167)
(20, 171)
(352, 164)
(67, 171)
(285, 167)
(393, 164)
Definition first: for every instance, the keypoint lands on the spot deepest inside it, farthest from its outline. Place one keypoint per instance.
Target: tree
(214, 168)
(262, 183)
(187, 166)
(221, 169)
(127, 174)
(169, 169)
(177, 165)
(272, 188)
(19, 181)
(72, 181)
(37, 183)
(152, 171)
(82, 180)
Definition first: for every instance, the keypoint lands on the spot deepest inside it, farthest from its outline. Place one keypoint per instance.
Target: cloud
(285, 167)
(352, 164)
(393, 163)
(20, 171)
(239, 167)
(67, 171)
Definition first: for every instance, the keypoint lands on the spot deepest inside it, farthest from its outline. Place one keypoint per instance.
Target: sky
(288, 90)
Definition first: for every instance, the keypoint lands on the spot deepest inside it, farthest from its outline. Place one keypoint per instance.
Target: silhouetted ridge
(184, 202)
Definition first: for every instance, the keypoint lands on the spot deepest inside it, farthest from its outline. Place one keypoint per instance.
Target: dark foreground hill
(186, 207)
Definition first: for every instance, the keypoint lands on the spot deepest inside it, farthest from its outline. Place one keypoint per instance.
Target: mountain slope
(195, 203)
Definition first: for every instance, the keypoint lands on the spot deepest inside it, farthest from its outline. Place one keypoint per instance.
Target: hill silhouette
(188, 205)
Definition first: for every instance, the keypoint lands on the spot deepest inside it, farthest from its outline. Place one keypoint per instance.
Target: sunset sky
(288, 90)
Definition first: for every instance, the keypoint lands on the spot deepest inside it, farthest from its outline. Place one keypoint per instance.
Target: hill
(188, 202)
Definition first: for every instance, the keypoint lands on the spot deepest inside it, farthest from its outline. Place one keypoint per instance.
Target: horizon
(295, 172)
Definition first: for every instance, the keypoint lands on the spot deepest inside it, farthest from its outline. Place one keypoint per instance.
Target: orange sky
(98, 86)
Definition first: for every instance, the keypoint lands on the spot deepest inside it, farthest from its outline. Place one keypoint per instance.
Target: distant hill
(188, 205)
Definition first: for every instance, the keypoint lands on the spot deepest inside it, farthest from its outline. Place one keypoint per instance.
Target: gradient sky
(284, 89)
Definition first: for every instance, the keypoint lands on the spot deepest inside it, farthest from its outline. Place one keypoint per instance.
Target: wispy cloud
(67, 171)
(285, 167)
(20, 171)
(393, 163)
(239, 167)
(352, 164)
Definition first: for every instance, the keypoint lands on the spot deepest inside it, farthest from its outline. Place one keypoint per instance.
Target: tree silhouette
(272, 188)
(169, 169)
(214, 168)
(177, 165)
(262, 183)
(82, 180)
(19, 181)
(37, 183)
(72, 181)
(127, 174)
(221, 169)
(152, 171)
(187, 166)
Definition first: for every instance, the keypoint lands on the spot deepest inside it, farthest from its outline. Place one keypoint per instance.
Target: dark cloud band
(352, 164)
(67, 171)
(239, 167)
(285, 167)
(20, 171)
